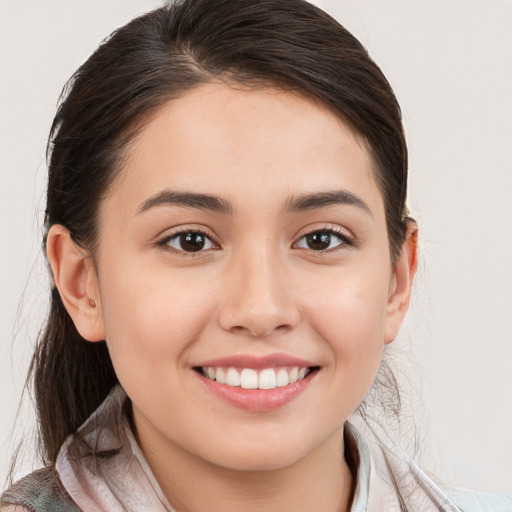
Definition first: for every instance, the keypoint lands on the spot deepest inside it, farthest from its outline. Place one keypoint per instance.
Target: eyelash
(345, 241)
(164, 242)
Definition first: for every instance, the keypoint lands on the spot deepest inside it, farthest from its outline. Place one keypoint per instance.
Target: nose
(259, 298)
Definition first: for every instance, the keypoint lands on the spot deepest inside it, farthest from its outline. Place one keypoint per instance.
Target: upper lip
(257, 362)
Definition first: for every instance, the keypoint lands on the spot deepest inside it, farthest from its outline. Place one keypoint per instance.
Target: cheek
(350, 303)
(350, 317)
(151, 318)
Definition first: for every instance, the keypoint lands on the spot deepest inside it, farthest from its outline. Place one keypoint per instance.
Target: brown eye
(190, 241)
(318, 241)
(322, 240)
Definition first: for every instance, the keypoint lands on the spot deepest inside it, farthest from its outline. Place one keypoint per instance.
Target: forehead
(244, 144)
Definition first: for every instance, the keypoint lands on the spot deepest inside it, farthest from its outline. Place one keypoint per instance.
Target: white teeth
(220, 375)
(248, 378)
(282, 378)
(267, 379)
(232, 377)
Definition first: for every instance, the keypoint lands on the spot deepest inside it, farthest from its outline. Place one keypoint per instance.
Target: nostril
(260, 331)
(258, 320)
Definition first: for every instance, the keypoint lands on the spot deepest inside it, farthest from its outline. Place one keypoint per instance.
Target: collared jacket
(101, 468)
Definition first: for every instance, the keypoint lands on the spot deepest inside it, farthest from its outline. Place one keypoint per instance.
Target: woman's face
(245, 239)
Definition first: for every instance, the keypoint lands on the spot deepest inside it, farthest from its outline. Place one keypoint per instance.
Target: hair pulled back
(150, 61)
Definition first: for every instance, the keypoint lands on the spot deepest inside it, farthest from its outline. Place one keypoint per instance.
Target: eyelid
(167, 235)
(348, 239)
(344, 234)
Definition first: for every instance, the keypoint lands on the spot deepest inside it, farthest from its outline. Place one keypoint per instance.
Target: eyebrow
(187, 200)
(324, 199)
(216, 204)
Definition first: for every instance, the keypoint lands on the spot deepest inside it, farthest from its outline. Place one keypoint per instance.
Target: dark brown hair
(159, 57)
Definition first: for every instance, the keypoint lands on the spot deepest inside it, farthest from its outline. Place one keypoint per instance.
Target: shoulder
(474, 501)
(41, 491)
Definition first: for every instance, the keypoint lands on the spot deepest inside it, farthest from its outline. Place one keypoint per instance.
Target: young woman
(231, 252)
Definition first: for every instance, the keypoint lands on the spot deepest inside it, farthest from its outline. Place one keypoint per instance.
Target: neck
(320, 481)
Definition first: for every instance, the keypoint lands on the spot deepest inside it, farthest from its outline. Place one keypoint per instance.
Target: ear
(77, 282)
(404, 270)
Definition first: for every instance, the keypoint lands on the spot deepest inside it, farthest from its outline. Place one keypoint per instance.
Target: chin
(264, 452)
(258, 460)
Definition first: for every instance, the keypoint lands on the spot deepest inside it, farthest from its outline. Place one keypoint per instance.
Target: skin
(256, 289)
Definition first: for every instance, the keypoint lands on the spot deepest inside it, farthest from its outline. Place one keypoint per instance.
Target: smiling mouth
(250, 378)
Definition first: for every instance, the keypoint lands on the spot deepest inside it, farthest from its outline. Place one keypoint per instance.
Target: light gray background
(450, 63)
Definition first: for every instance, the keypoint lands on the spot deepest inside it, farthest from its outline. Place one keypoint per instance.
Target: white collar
(102, 468)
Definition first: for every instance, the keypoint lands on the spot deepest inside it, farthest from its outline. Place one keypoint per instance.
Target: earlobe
(76, 280)
(401, 282)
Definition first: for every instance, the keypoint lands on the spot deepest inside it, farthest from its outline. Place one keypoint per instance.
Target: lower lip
(258, 400)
